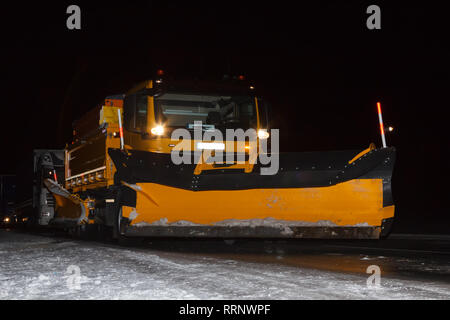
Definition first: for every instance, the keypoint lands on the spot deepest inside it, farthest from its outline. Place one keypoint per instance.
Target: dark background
(316, 62)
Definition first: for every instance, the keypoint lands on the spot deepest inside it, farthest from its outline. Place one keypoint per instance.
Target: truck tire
(120, 224)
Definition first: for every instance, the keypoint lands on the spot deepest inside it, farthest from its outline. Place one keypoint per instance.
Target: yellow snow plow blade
(356, 203)
(350, 200)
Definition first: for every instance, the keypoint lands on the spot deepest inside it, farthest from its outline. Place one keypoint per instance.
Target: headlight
(263, 134)
(158, 130)
(6, 219)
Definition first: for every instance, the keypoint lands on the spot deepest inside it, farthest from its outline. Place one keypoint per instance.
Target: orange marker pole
(120, 129)
(380, 118)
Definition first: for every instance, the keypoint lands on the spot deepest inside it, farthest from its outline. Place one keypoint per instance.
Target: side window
(246, 109)
(135, 112)
(129, 112)
(141, 113)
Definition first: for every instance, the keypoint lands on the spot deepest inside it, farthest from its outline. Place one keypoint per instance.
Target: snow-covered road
(40, 267)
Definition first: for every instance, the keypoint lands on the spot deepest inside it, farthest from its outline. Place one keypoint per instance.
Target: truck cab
(155, 109)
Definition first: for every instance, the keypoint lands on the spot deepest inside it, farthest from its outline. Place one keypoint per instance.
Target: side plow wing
(70, 209)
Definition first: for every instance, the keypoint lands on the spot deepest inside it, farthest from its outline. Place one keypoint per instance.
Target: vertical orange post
(380, 118)
(120, 129)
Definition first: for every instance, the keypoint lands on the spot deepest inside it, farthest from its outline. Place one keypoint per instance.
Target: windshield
(215, 112)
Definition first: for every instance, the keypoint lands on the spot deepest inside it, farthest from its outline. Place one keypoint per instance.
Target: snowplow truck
(120, 173)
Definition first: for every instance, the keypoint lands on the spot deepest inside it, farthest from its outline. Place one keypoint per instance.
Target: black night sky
(316, 62)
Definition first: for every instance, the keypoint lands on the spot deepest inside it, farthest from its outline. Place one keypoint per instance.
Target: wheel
(120, 224)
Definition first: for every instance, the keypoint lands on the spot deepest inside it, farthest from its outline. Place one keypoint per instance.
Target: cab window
(135, 113)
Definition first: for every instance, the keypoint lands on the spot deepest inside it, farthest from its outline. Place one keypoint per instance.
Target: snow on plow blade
(336, 194)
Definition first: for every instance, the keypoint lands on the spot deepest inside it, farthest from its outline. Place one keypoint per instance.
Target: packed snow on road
(39, 267)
